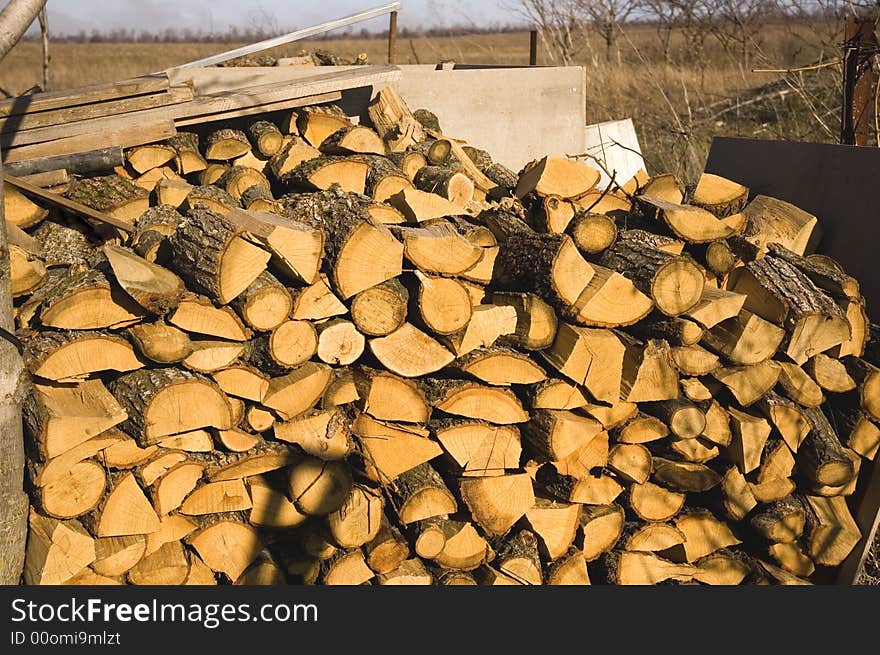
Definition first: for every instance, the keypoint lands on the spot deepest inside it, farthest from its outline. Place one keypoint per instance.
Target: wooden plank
(18, 237)
(48, 178)
(67, 115)
(830, 181)
(866, 512)
(124, 137)
(64, 203)
(80, 163)
(261, 109)
(482, 182)
(84, 95)
(201, 106)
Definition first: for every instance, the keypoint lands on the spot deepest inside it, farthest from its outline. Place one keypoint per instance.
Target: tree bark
(13, 501)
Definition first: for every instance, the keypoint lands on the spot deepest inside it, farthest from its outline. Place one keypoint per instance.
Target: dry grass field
(677, 104)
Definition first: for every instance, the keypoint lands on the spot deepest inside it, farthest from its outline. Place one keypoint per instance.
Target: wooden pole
(859, 47)
(44, 30)
(392, 37)
(276, 41)
(533, 48)
(15, 18)
(13, 501)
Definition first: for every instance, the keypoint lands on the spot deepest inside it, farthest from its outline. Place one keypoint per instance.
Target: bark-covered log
(675, 283)
(213, 258)
(778, 292)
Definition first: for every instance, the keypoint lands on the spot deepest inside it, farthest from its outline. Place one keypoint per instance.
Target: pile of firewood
(339, 353)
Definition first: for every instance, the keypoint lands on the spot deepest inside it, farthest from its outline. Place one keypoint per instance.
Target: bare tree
(606, 17)
(666, 16)
(689, 18)
(562, 24)
(736, 25)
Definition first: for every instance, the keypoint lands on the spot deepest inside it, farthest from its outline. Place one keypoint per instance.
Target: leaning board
(834, 183)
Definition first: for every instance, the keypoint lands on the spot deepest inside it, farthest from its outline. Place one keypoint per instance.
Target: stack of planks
(148, 109)
(320, 352)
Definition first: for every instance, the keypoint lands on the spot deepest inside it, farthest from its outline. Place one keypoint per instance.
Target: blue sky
(72, 16)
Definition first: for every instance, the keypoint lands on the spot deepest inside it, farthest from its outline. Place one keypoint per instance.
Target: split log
(497, 502)
(68, 356)
(227, 544)
(555, 525)
(59, 417)
(798, 386)
(320, 173)
(111, 194)
(589, 357)
(780, 522)
(438, 248)
(266, 137)
(744, 339)
(647, 373)
(831, 532)
(316, 123)
(56, 550)
(592, 233)
(197, 315)
(293, 152)
(151, 286)
(386, 396)
(226, 144)
(501, 366)
(211, 256)
(471, 400)
(692, 223)
(409, 352)
(703, 534)
(720, 196)
(779, 292)
(652, 502)
(550, 266)
(557, 176)
(454, 186)
(775, 221)
(296, 242)
(381, 309)
(83, 300)
(675, 284)
(161, 402)
(188, 157)
(391, 449)
(421, 494)
(209, 197)
(486, 325)
(420, 206)
(633, 568)
(519, 558)
(361, 252)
